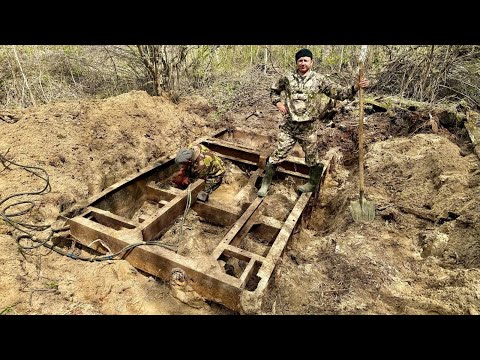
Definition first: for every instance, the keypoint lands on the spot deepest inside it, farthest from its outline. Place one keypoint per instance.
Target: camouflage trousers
(212, 183)
(291, 132)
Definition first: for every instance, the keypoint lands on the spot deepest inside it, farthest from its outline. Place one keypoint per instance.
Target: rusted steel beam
(156, 194)
(293, 173)
(162, 163)
(235, 151)
(241, 254)
(86, 231)
(220, 132)
(287, 228)
(290, 165)
(236, 228)
(243, 193)
(262, 160)
(240, 235)
(169, 212)
(111, 220)
(206, 278)
(247, 273)
(266, 228)
(216, 212)
(251, 301)
(241, 134)
(219, 213)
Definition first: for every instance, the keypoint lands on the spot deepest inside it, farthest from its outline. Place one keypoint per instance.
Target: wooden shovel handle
(360, 134)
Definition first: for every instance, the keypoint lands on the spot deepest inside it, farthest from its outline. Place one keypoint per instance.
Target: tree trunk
(341, 60)
(265, 60)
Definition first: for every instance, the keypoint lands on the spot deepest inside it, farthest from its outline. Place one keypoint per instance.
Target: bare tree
(163, 64)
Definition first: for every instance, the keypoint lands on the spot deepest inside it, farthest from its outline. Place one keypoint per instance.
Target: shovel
(362, 210)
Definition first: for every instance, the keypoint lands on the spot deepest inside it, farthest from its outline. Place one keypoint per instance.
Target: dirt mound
(411, 259)
(85, 146)
(429, 178)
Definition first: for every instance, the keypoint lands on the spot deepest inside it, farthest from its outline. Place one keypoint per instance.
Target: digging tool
(362, 210)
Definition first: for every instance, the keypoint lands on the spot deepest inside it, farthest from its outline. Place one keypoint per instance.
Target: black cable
(8, 217)
(21, 226)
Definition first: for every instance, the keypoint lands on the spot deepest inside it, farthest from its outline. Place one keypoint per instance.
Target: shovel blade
(362, 210)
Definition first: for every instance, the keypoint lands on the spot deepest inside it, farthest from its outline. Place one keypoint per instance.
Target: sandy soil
(419, 256)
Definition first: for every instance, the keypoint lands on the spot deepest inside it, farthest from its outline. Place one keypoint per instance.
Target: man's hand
(282, 108)
(186, 181)
(361, 84)
(177, 181)
(181, 180)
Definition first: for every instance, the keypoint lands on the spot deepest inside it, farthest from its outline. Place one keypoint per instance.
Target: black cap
(302, 53)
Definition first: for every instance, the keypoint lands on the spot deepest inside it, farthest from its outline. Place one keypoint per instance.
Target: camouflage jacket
(301, 94)
(207, 164)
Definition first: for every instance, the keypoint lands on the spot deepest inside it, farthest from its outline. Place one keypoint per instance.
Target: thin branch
(459, 92)
(24, 77)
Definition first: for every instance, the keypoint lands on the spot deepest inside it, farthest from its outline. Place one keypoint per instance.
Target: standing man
(300, 115)
(199, 162)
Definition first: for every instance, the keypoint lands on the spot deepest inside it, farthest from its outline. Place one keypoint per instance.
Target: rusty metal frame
(100, 220)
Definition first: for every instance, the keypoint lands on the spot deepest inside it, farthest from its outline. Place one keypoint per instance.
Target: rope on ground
(26, 228)
(187, 208)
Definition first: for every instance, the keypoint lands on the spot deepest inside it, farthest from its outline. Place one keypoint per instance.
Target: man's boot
(267, 179)
(315, 173)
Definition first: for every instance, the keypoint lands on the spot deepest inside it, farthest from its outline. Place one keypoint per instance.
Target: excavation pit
(228, 246)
